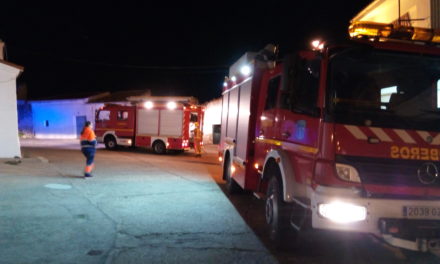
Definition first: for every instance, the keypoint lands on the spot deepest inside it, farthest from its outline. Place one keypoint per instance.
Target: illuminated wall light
(233, 78)
(148, 105)
(245, 70)
(171, 105)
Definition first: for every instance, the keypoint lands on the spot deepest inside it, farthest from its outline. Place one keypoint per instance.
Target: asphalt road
(146, 208)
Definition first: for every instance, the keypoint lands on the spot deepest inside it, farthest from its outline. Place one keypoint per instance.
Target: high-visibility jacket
(88, 138)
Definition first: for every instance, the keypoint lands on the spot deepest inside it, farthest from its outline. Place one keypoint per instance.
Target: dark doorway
(216, 134)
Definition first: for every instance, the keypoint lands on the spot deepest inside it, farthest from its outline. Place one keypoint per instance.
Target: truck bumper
(385, 218)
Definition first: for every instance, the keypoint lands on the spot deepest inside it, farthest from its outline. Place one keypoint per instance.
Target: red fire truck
(342, 136)
(161, 123)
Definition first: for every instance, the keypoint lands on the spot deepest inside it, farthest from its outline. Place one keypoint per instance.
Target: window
(301, 93)
(104, 115)
(385, 95)
(272, 92)
(122, 115)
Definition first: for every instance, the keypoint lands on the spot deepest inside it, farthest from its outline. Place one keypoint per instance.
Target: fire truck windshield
(386, 89)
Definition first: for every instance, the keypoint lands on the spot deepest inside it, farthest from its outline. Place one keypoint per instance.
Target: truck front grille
(388, 171)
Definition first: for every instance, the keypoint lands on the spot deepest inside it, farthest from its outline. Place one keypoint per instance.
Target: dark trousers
(90, 155)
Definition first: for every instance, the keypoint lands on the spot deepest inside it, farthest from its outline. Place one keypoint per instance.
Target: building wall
(58, 118)
(9, 142)
(212, 117)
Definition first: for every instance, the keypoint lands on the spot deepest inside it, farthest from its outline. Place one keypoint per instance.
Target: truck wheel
(277, 215)
(231, 185)
(110, 142)
(159, 147)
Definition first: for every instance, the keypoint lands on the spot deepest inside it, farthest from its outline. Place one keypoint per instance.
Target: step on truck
(342, 137)
(160, 123)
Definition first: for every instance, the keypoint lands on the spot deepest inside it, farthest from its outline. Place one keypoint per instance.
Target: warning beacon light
(171, 105)
(148, 105)
(317, 44)
(245, 70)
(378, 31)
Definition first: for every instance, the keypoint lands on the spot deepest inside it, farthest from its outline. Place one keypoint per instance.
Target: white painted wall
(60, 116)
(10, 145)
(213, 112)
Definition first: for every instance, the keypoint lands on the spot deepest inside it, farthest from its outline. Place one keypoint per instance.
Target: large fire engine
(342, 136)
(161, 123)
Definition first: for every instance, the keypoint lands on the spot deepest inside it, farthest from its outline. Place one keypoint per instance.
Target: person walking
(88, 144)
(197, 140)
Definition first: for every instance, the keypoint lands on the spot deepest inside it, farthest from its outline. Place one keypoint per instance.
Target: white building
(212, 121)
(65, 118)
(61, 118)
(10, 145)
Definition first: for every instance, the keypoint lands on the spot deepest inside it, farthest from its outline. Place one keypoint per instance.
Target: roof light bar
(374, 30)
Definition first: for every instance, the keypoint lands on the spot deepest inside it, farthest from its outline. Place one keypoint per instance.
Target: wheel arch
(107, 134)
(281, 159)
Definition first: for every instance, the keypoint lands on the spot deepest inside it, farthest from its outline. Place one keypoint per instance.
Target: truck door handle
(286, 134)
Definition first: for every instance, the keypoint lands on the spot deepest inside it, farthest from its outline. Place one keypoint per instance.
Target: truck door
(124, 122)
(299, 115)
(268, 122)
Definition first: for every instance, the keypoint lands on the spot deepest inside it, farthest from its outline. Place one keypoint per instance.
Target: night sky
(172, 49)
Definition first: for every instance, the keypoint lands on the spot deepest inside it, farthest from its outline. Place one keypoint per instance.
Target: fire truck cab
(159, 123)
(342, 136)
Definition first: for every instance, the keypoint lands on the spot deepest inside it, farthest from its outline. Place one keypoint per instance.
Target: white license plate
(421, 212)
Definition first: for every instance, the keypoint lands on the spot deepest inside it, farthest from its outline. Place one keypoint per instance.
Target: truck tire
(231, 185)
(110, 143)
(159, 147)
(278, 214)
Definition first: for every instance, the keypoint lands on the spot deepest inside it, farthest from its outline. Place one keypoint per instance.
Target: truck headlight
(343, 213)
(347, 173)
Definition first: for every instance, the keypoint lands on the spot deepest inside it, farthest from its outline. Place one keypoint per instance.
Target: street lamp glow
(245, 70)
(171, 105)
(148, 105)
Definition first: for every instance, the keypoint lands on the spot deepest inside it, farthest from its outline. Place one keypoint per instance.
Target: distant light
(245, 70)
(148, 105)
(225, 84)
(220, 159)
(171, 105)
(233, 78)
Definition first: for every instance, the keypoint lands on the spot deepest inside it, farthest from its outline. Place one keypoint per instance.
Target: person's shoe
(87, 175)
